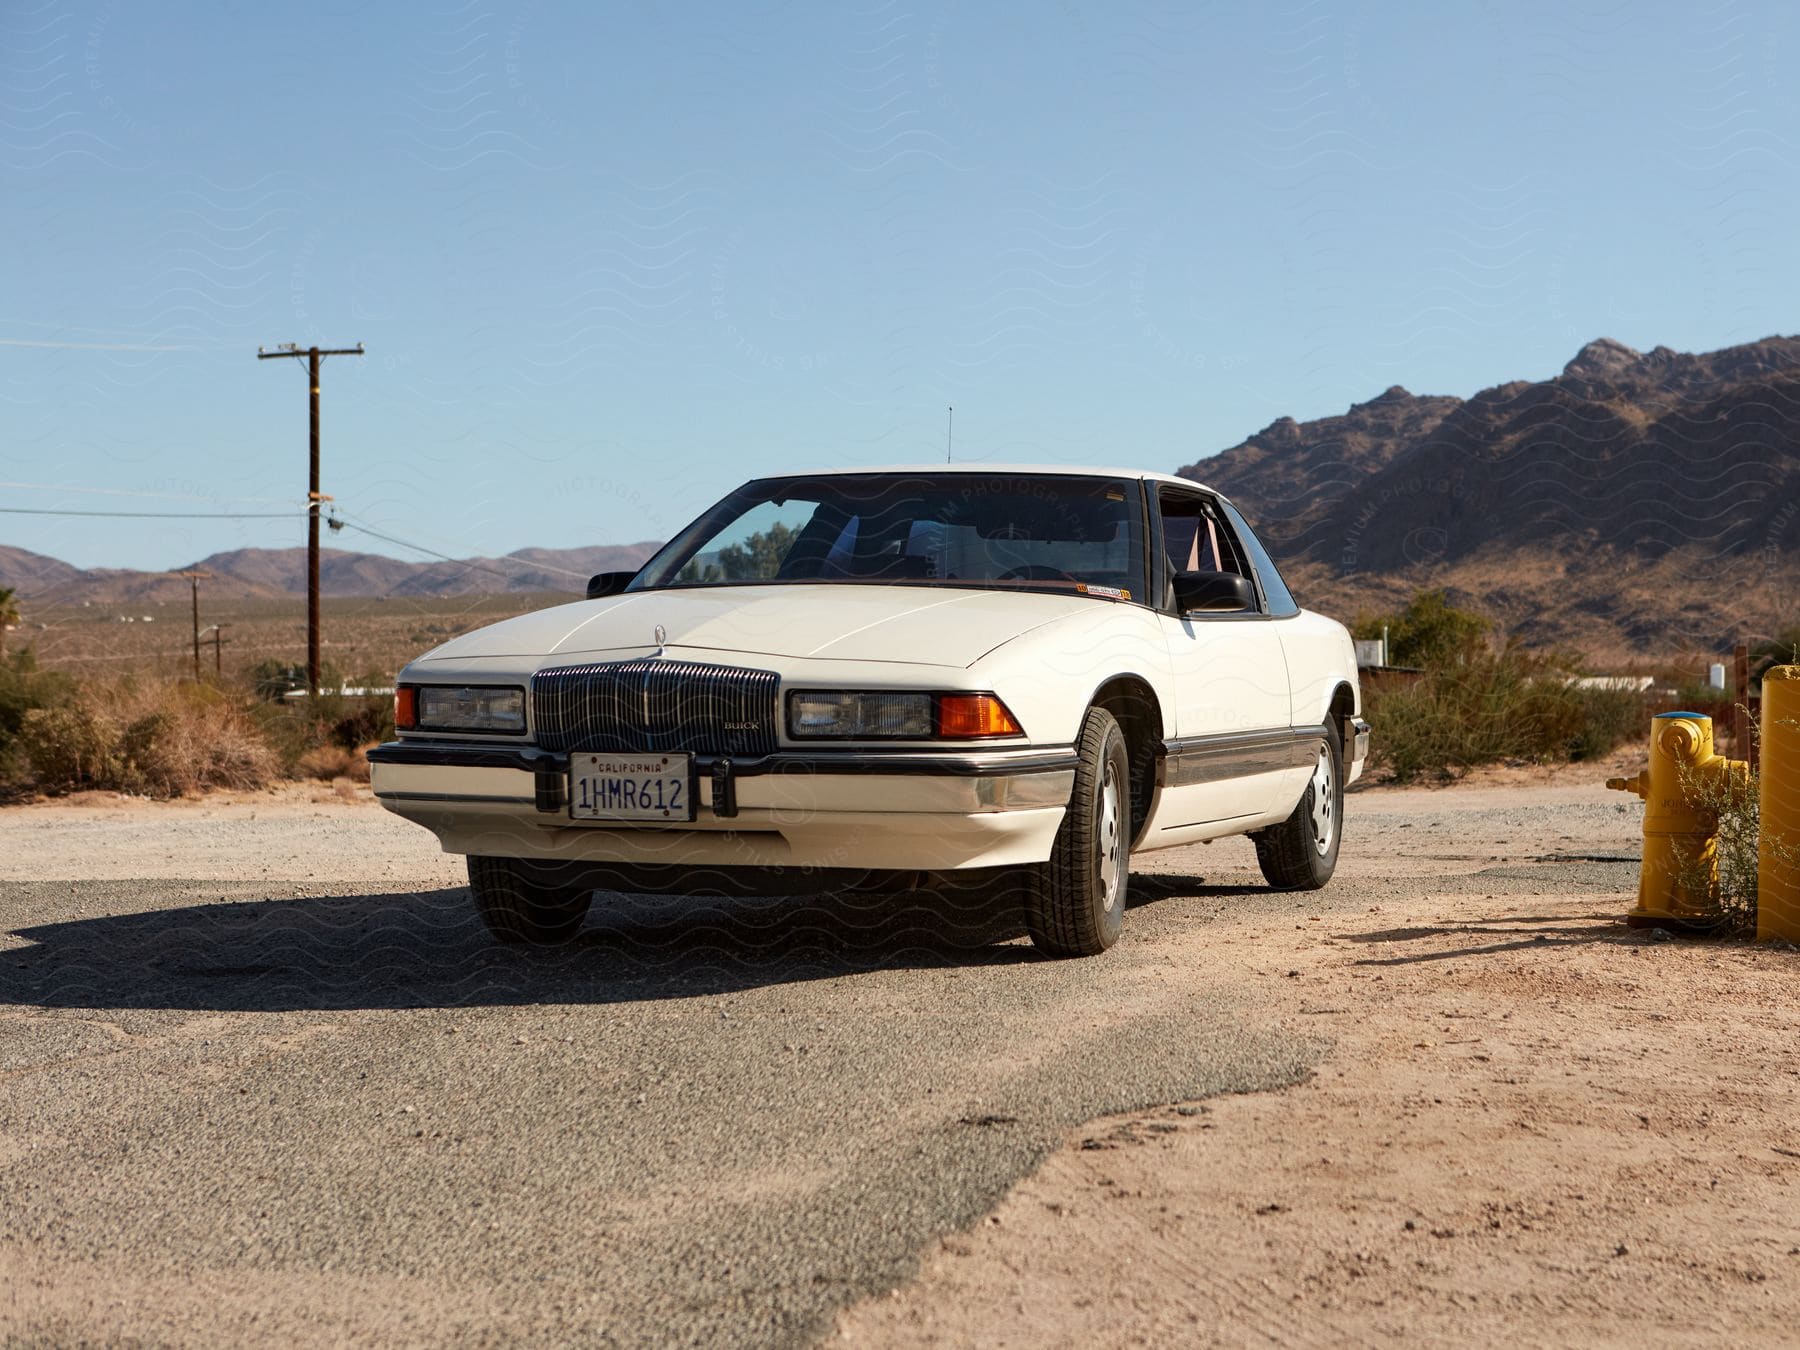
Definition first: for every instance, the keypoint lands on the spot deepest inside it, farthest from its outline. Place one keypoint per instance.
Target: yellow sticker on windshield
(1109, 592)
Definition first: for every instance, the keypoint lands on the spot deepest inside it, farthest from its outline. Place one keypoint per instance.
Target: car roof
(1064, 470)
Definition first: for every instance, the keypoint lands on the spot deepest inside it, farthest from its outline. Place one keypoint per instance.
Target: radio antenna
(949, 432)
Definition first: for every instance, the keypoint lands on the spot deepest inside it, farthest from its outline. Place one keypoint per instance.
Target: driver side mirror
(1213, 593)
(603, 584)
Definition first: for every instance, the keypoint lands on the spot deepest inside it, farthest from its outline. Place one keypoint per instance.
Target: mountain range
(273, 573)
(1635, 503)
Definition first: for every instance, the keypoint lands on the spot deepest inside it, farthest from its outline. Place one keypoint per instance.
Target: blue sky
(610, 261)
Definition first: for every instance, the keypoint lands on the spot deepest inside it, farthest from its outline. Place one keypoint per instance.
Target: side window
(1196, 539)
(1275, 592)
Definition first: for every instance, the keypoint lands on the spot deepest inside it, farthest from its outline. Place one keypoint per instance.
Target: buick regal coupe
(991, 677)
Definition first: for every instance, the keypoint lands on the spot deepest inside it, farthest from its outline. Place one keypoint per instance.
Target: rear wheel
(522, 901)
(1075, 904)
(1300, 854)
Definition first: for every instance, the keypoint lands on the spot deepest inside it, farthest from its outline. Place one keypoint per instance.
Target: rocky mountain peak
(1394, 393)
(1603, 356)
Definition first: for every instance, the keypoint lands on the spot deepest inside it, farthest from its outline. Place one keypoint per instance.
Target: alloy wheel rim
(1324, 803)
(1110, 853)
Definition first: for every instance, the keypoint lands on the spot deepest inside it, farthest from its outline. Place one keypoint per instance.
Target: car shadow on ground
(428, 949)
(1518, 932)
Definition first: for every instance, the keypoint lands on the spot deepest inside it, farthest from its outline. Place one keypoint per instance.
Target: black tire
(1301, 853)
(541, 904)
(1075, 903)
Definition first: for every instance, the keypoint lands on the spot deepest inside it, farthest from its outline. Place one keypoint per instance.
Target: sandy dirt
(1535, 1126)
(1526, 1122)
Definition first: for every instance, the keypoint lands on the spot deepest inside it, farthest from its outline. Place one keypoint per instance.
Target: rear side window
(1280, 604)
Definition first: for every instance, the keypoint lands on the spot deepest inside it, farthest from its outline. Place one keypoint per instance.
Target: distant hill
(271, 573)
(1637, 502)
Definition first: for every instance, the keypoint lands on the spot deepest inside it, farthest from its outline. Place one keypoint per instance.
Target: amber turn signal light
(967, 716)
(406, 708)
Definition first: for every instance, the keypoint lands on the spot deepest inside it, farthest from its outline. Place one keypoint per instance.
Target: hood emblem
(662, 639)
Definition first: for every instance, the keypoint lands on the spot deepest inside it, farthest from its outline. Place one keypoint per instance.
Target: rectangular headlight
(446, 707)
(869, 715)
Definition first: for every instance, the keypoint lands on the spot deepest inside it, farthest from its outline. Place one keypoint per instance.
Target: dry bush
(1731, 904)
(159, 739)
(329, 762)
(1738, 805)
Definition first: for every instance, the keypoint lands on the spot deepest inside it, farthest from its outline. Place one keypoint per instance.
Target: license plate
(630, 787)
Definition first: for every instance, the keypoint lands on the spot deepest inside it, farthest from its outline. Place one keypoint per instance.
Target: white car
(993, 675)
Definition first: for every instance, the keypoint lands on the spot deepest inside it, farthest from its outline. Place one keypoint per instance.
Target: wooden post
(1743, 730)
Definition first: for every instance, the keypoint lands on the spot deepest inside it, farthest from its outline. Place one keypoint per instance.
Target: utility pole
(949, 433)
(218, 638)
(194, 579)
(314, 357)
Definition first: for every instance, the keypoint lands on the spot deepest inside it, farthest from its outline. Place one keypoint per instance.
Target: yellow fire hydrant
(1678, 882)
(1778, 848)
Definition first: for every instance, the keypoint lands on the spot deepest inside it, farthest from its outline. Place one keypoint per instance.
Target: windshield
(1000, 531)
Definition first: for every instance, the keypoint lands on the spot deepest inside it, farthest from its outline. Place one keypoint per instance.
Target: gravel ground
(266, 1080)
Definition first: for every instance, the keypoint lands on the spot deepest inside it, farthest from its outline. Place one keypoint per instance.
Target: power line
(89, 346)
(445, 557)
(433, 553)
(152, 515)
(133, 492)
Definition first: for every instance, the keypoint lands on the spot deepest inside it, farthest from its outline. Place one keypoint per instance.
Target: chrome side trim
(1237, 754)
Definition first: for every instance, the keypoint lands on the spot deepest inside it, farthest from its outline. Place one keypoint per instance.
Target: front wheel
(1075, 905)
(1300, 854)
(521, 901)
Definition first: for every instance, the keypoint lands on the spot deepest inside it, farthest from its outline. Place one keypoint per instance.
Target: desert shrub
(184, 738)
(1429, 632)
(69, 746)
(1609, 719)
(1494, 705)
(1732, 904)
(331, 762)
(1781, 650)
(158, 739)
(370, 721)
(296, 727)
(23, 687)
(272, 679)
(1738, 805)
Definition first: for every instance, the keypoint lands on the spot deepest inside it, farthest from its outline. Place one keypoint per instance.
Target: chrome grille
(653, 704)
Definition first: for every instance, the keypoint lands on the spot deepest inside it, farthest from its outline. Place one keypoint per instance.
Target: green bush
(23, 687)
(69, 747)
(1429, 632)
(1609, 719)
(1496, 705)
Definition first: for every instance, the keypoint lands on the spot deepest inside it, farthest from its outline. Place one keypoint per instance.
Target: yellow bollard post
(1778, 845)
(1679, 878)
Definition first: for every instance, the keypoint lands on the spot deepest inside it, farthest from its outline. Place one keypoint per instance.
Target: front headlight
(872, 715)
(449, 707)
(889, 715)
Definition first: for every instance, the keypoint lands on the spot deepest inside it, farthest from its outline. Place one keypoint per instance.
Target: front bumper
(924, 809)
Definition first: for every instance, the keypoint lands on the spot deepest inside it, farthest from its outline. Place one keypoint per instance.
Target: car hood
(917, 625)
